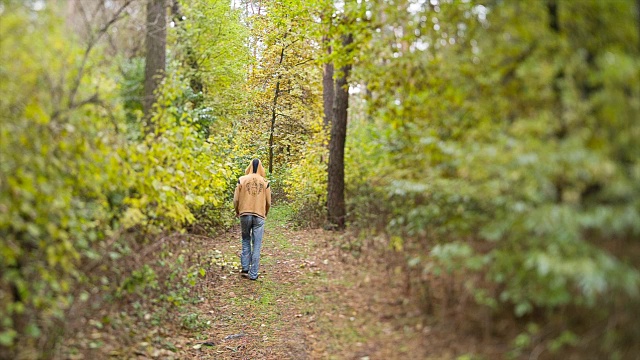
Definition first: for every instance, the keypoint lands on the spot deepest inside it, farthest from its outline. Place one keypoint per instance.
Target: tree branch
(92, 42)
(303, 62)
(93, 99)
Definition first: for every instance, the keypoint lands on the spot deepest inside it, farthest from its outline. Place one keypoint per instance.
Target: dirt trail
(312, 301)
(319, 296)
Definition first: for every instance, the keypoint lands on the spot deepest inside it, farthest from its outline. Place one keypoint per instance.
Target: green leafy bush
(499, 129)
(85, 183)
(305, 183)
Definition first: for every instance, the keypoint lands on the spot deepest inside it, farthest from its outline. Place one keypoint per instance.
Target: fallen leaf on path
(235, 336)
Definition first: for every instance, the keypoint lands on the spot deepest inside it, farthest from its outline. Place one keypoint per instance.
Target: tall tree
(335, 186)
(285, 81)
(156, 43)
(274, 110)
(328, 91)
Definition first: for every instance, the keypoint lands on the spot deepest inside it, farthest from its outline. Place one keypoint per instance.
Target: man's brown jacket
(253, 195)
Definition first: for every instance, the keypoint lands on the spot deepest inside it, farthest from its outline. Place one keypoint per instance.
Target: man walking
(252, 200)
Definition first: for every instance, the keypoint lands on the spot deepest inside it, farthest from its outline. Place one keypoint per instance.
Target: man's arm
(236, 198)
(268, 198)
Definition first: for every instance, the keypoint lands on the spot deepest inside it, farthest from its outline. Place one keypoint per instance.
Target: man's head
(255, 167)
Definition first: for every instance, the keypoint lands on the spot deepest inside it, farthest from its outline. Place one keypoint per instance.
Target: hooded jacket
(253, 195)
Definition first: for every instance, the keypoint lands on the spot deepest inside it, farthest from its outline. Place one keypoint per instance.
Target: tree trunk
(335, 187)
(274, 107)
(562, 131)
(273, 124)
(554, 25)
(156, 43)
(552, 8)
(638, 13)
(328, 92)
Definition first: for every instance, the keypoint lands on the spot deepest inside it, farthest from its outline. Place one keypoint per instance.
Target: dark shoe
(244, 271)
(246, 276)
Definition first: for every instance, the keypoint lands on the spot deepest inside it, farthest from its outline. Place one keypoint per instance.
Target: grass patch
(280, 215)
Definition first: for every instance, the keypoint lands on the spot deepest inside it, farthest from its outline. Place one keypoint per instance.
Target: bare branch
(92, 42)
(93, 99)
(303, 62)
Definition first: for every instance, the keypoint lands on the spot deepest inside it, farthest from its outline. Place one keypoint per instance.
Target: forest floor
(313, 300)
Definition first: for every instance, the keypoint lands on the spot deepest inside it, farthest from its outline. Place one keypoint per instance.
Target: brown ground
(314, 300)
(321, 295)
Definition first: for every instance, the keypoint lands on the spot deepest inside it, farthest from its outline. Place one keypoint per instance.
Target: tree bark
(562, 131)
(274, 109)
(552, 8)
(156, 43)
(335, 188)
(638, 13)
(554, 25)
(328, 91)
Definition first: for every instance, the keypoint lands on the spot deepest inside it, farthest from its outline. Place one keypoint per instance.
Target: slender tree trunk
(561, 132)
(328, 92)
(273, 124)
(156, 43)
(552, 8)
(638, 13)
(335, 187)
(554, 25)
(274, 107)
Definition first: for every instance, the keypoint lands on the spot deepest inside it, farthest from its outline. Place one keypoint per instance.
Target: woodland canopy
(493, 144)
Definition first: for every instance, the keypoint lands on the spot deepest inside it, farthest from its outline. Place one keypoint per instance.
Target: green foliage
(498, 123)
(365, 164)
(306, 182)
(138, 281)
(173, 168)
(132, 89)
(490, 124)
(62, 175)
(210, 49)
(284, 83)
(80, 167)
(191, 321)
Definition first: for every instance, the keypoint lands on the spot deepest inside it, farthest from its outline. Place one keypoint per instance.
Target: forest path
(313, 300)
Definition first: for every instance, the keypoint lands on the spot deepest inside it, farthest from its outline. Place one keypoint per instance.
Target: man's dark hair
(255, 165)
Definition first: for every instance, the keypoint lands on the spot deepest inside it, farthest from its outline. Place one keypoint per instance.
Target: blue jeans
(252, 231)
